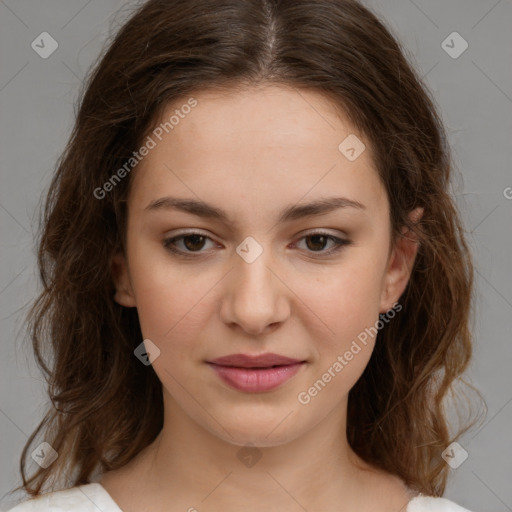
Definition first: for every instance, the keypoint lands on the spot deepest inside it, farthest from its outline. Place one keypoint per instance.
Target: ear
(400, 264)
(121, 276)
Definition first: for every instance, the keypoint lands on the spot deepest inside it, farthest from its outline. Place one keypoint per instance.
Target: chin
(260, 440)
(250, 429)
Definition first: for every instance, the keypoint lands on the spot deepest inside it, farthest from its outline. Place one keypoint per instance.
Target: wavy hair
(105, 406)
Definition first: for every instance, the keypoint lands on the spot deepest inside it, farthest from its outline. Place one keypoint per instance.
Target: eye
(315, 242)
(194, 242)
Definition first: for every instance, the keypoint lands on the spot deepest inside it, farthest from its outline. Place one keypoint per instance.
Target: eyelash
(339, 244)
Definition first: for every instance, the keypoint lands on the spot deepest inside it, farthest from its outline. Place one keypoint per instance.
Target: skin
(252, 153)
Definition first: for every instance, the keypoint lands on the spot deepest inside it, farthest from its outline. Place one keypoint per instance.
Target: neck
(190, 467)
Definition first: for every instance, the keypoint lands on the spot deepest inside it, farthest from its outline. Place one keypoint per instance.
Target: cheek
(346, 298)
(173, 317)
(348, 305)
(171, 304)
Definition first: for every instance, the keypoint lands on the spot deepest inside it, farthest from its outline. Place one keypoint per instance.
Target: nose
(255, 298)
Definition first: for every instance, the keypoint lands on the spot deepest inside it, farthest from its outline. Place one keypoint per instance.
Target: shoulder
(423, 503)
(84, 498)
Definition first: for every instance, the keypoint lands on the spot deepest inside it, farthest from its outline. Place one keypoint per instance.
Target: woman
(256, 284)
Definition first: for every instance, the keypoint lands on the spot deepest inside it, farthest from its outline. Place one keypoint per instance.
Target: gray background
(474, 93)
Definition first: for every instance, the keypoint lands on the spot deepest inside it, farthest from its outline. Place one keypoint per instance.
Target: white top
(94, 497)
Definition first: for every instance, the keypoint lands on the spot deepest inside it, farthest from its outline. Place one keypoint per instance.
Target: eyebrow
(290, 213)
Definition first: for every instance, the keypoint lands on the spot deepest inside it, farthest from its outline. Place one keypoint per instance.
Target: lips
(255, 374)
(260, 361)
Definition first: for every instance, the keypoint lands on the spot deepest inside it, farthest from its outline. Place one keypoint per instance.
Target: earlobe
(400, 264)
(121, 277)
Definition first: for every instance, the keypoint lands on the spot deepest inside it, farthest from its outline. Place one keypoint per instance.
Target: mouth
(255, 374)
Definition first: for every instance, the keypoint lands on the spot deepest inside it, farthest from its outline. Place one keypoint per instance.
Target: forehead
(256, 149)
(277, 117)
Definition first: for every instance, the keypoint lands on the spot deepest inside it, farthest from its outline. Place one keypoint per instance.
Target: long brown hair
(107, 406)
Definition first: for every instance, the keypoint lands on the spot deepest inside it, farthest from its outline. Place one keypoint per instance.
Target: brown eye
(194, 242)
(318, 242)
(187, 244)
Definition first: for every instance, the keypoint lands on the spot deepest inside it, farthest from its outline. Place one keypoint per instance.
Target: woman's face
(244, 266)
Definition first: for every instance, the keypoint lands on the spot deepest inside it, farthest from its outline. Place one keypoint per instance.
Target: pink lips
(255, 373)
